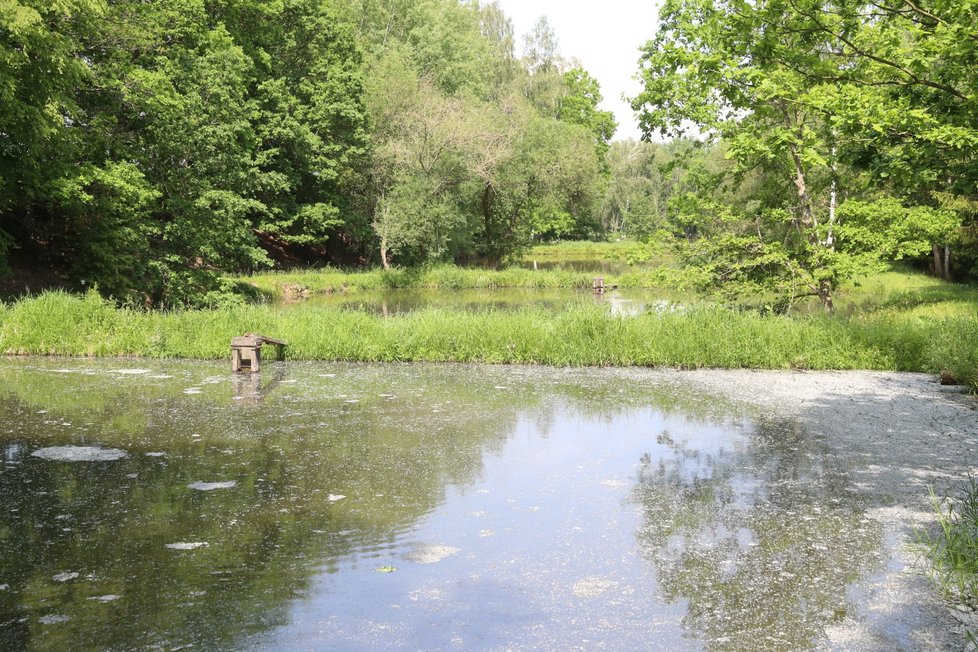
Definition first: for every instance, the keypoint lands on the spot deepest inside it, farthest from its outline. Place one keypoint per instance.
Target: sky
(604, 35)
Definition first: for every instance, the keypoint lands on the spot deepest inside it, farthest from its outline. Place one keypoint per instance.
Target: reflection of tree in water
(762, 541)
(279, 525)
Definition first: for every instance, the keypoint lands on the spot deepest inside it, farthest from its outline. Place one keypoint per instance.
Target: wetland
(414, 506)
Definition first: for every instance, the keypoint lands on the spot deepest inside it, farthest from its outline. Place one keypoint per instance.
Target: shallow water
(394, 302)
(583, 264)
(332, 506)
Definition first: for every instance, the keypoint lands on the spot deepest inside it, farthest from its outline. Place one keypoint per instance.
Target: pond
(399, 301)
(157, 505)
(588, 264)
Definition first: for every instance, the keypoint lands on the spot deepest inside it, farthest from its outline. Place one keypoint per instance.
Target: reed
(704, 336)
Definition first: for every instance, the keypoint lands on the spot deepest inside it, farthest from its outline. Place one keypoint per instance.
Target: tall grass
(60, 323)
(953, 548)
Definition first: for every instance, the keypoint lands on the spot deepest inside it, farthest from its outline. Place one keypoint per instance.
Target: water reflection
(760, 541)
(387, 303)
(248, 388)
(504, 501)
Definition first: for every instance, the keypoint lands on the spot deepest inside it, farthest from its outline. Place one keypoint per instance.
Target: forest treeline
(150, 148)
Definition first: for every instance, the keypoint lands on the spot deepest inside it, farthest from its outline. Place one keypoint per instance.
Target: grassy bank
(58, 323)
(584, 249)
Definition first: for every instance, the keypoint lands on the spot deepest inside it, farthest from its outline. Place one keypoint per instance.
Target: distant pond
(151, 505)
(400, 301)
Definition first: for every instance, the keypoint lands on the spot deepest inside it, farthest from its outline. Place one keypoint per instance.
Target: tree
(767, 79)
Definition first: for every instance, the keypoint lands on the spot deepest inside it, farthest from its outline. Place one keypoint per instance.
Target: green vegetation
(953, 548)
(584, 249)
(842, 136)
(899, 336)
(148, 148)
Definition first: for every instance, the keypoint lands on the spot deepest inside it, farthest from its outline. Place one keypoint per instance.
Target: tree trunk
(491, 253)
(942, 261)
(825, 295)
(383, 253)
(833, 203)
(807, 217)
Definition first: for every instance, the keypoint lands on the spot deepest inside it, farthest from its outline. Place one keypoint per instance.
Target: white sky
(604, 35)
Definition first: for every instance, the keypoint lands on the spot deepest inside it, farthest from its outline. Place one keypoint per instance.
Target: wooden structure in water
(599, 286)
(246, 351)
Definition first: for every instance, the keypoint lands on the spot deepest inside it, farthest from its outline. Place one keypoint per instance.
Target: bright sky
(604, 35)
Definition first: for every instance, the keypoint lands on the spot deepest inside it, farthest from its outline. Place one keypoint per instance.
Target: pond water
(393, 302)
(335, 506)
(584, 264)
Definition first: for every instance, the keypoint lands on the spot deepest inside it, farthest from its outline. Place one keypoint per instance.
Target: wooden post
(598, 285)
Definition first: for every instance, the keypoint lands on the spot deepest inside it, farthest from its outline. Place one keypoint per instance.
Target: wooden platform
(246, 351)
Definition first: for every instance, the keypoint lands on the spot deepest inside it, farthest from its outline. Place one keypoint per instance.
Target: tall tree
(758, 76)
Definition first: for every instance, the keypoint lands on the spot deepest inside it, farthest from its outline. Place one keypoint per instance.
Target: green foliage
(825, 103)
(888, 338)
(953, 548)
(174, 135)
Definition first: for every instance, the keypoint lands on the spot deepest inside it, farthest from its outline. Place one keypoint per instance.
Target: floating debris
(64, 577)
(131, 372)
(156, 454)
(184, 545)
(592, 587)
(425, 553)
(193, 390)
(386, 569)
(4, 587)
(53, 619)
(211, 486)
(79, 454)
(161, 376)
(105, 598)
(335, 497)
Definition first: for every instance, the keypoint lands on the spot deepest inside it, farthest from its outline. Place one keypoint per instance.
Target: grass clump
(953, 549)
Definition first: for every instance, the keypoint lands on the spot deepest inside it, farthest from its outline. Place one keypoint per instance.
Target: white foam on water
(64, 577)
(53, 619)
(79, 454)
(211, 486)
(185, 545)
(105, 598)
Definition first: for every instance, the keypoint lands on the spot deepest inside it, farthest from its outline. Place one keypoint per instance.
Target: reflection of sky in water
(514, 507)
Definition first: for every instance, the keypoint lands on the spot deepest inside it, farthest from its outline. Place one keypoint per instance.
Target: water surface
(628, 301)
(332, 506)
